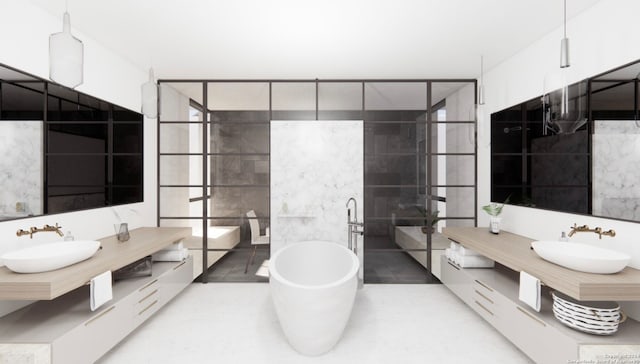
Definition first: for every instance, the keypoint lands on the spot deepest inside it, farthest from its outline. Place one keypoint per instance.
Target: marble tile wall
(616, 180)
(315, 167)
(20, 168)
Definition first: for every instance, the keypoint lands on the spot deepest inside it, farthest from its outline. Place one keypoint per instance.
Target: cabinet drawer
(457, 280)
(92, 339)
(535, 337)
(176, 279)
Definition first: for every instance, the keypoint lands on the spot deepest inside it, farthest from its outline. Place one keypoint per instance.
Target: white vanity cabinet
(68, 329)
(493, 294)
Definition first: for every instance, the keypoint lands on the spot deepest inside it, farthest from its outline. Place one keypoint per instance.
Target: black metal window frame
(429, 154)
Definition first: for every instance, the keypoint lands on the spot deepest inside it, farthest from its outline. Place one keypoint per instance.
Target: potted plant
(494, 210)
(433, 218)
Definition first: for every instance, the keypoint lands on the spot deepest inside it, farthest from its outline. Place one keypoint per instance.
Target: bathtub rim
(273, 272)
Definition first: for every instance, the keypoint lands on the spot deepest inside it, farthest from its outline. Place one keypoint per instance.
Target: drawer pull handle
(100, 315)
(147, 285)
(453, 265)
(179, 265)
(483, 296)
(148, 307)
(484, 308)
(531, 316)
(484, 285)
(147, 296)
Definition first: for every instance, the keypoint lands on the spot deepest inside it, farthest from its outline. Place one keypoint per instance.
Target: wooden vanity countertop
(113, 255)
(513, 251)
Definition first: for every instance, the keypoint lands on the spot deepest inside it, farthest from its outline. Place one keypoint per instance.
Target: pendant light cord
(565, 18)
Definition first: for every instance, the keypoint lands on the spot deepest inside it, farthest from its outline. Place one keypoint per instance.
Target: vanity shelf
(113, 255)
(513, 251)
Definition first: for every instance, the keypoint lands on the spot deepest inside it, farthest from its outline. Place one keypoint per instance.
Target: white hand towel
(530, 290)
(467, 252)
(474, 261)
(454, 246)
(447, 253)
(101, 290)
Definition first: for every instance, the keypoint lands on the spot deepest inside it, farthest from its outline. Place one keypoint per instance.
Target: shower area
(418, 172)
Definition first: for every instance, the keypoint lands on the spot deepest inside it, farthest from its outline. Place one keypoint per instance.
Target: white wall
(24, 37)
(602, 37)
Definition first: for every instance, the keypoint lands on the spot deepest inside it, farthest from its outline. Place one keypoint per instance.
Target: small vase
(494, 224)
(122, 232)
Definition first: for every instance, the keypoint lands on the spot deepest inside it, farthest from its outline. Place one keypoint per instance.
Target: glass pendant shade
(150, 97)
(66, 56)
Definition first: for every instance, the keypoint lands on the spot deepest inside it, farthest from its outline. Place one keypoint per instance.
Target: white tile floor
(236, 323)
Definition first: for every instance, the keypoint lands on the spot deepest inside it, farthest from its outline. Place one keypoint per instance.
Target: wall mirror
(63, 150)
(583, 165)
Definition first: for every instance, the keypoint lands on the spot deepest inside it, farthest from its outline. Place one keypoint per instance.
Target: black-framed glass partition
(419, 166)
(64, 150)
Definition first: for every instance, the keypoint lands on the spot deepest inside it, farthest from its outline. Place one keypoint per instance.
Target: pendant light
(481, 84)
(150, 97)
(564, 63)
(66, 56)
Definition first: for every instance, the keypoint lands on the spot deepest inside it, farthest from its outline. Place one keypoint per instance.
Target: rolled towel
(447, 253)
(454, 246)
(475, 261)
(467, 252)
(170, 255)
(175, 246)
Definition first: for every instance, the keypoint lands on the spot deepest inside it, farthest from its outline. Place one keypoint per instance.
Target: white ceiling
(315, 38)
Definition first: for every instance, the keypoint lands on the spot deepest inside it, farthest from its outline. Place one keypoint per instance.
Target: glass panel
(559, 170)
(122, 114)
(238, 96)
(572, 199)
(395, 267)
(453, 101)
(181, 170)
(293, 101)
(612, 100)
(454, 201)
(237, 201)
(239, 170)
(395, 96)
(180, 138)
(453, 170)
(453, 138)
(77, 138)
(248, 138)
(242, 116)
(127, 138)
(63, 199)
(76, 170)
(21, 102)
(340, 101)
(393, 137)
(122, 195)
(181, 202)
(393, 169)
(177, 100)
(127, 170)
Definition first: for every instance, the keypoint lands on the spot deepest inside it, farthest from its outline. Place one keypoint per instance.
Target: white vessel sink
(581, 257)
(46, 257)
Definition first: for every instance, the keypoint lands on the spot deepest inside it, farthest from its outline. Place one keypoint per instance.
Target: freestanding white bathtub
(313, 286)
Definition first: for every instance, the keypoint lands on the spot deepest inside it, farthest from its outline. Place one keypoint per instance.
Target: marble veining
(20, 168)
(616, 183)
(315, 167)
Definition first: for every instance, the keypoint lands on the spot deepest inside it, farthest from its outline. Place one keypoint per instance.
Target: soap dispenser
(68, 236)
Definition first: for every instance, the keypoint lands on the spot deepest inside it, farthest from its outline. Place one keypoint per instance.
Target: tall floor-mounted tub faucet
(355, 229)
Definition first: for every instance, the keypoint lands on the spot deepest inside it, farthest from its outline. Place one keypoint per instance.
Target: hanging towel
(468, 252)
(263, 271)
(101, 290)
(530, 290)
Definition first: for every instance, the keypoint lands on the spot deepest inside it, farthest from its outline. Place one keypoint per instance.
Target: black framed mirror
(583, 165)
(64, 150)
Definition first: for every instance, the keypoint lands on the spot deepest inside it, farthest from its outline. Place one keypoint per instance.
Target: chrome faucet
(353, 226)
